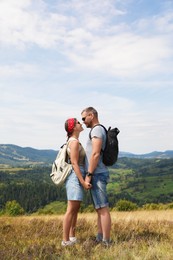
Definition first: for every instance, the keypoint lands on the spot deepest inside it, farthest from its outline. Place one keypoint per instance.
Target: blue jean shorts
(98, 191)
(74, 189)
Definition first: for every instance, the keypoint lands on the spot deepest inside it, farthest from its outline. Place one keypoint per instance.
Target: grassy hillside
(138, 235)
(143, 180)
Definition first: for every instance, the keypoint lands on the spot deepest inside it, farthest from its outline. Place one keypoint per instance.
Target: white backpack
(61, 167)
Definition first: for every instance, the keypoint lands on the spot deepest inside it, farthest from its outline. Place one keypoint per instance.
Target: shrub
(13, 208)
(126, 205)
(1, 212)
(88, 209)
(56, 207)
(169, 205)
(153, 206)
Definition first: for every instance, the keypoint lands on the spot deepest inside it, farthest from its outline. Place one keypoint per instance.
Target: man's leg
(99, 236)
(105, 222)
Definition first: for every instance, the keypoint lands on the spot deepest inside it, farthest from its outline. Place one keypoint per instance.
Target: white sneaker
(67, 243)
(73, 239)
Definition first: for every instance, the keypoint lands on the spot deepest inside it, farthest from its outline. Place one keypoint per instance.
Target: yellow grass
(140, 235)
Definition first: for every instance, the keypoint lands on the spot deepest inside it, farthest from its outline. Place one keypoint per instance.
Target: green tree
(13, 208)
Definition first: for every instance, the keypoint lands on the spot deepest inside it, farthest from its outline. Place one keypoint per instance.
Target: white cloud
(39, 122)
(83, 40)
(156, 24)
(18, 70)
(30, 25)
(125, 55)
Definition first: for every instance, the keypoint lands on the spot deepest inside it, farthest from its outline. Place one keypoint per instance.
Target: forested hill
(15, 155)
(153, 155)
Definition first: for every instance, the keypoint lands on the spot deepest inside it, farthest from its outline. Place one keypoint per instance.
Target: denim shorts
(74, 189)
(98, 191)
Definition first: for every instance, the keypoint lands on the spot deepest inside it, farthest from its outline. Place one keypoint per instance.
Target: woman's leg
(73, 224)
(70, 218)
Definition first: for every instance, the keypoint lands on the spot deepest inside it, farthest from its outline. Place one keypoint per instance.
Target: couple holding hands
(90, 173)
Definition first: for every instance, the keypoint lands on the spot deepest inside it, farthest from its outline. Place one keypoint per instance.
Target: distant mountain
(15, 155)
(160, 155)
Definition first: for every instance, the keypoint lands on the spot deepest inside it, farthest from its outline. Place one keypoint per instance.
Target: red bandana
(71, 124)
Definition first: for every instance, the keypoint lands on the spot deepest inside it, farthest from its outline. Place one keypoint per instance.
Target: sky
(58, 57)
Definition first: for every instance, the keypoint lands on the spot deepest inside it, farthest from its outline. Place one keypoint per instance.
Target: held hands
(87, 185)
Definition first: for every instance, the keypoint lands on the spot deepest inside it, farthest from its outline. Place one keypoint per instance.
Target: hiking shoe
(73, 239)
(107, 243)
(67, 243)
(99, 238)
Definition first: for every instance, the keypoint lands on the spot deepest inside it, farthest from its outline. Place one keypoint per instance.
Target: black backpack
(110, 153)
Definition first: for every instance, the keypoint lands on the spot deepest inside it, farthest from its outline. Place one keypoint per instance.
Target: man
(97, 173)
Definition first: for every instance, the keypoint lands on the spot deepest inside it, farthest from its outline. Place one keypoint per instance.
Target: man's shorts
(98, 190)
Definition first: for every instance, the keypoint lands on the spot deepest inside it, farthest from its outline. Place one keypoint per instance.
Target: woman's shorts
(74, 189)
(98, 190)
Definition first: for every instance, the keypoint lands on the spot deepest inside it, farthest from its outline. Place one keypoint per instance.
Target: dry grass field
(140, 235)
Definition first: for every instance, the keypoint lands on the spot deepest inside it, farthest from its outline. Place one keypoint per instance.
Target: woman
(75, 182)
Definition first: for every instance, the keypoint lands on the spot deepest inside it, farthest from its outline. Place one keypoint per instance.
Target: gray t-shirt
(98, 132)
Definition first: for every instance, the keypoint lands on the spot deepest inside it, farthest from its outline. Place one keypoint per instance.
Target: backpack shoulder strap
(71, 139)
(95, 126)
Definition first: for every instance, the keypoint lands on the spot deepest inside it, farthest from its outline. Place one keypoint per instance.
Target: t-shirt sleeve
(97, 132)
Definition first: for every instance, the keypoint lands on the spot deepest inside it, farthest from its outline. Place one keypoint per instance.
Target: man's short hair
(91, 110)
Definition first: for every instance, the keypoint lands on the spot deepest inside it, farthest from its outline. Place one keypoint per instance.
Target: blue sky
(58, 57)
